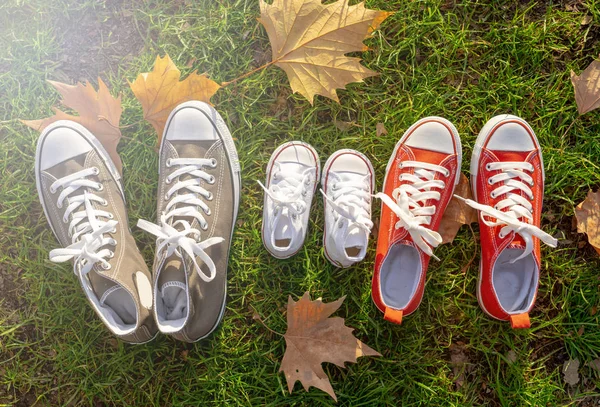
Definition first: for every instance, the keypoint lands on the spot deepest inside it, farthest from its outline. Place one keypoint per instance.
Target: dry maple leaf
(587, 88)
(313, 338)
(99, 112)
(309, 41)
(587, 214)
(457, 213)
(160, 91)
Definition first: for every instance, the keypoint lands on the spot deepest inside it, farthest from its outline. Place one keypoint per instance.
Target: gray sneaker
(82, 196)
(198, 199)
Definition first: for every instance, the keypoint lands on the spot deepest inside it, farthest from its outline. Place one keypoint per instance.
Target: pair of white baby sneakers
(347, 185)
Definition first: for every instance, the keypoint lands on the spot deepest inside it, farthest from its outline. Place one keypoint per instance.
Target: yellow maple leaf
(160, 91)
(309, 41)
(99, 112)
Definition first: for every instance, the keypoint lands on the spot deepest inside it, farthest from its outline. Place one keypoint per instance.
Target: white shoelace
(288, 193)
(350, 200)
(186, 204)
(409, 198)
(513, 178)
(87, 230)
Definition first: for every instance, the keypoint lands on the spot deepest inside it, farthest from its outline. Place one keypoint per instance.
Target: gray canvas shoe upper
(198, 199)
(80, 190)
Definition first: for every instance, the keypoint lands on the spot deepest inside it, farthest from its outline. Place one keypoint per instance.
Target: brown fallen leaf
(312, 338)
(587, 214)
(587, 88)
(344, 126)
(457, 213)
(380, 129)
(160, 91)
(571, 371)
(99, 112)
(310, 40)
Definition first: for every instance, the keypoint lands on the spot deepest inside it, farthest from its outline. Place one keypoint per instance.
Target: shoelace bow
(287, 194)
(408, 199)
(513, 177)
(179, 235)
(350, 201)
(86, 229)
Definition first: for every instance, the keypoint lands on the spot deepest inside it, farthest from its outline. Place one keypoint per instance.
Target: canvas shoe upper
(420, 179)
(507, 177)
(347, 184)
(198, 200)
(80, 190)
(292, 175)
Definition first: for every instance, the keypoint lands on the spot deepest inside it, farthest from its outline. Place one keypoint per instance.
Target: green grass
(464, 60)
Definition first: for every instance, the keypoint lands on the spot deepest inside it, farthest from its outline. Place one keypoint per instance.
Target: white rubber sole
(479, 143)
(234, 164)
(323, 179)
(267, 184)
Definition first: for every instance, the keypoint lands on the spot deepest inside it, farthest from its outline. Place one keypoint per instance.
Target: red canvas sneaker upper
(507, 176)
(420, 179)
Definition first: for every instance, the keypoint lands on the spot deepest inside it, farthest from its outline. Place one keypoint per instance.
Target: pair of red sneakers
(507, 178)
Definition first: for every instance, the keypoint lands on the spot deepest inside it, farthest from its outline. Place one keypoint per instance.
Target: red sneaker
(507, 176)
(419, 183)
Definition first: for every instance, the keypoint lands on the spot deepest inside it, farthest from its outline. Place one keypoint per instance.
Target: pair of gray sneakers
(82, 195)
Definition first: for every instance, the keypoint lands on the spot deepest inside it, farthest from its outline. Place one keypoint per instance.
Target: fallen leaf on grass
(457, 213)
(460, 363)
(161, 90)
(571, 371)
(587, 88)
(310, 40)
(312, 338)
(511, 357)
(99, 112)
(587, 214)
(344, 126)
(595, 364)
(380, 129)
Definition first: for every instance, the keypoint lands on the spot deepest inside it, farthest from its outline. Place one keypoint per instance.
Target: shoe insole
(514, 283)
(399, 276)
(171, 290)
(117, 301)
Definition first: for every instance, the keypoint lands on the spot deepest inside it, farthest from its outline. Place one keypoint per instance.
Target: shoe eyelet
(113, 232)
(207, 211)
(493, 195)
(210, 196)
(488, 167)
(100, 187)
(106, 266)
(168, 163)
(166, 197)
(334, 187)
(490, 181)
(111, 216)
(65, 220)
(204, 226)
(111, 254)
(59, 205)
(211, 180)
(401, 165)
(52, 190)
(167, 180)
(447, 173)
(213, 162)
(105, 203)
(96, 171)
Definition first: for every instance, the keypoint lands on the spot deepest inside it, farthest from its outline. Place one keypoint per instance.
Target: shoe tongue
(428, 156)
(513, 156)
(189, 149)
(355, 241)
(349, 176)
(68, 167)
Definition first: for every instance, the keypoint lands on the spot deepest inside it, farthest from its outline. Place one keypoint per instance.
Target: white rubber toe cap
(433, 135)
(190, 122)
(62, 142)
(511, 134)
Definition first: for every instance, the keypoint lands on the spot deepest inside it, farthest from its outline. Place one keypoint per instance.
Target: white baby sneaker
(291, 181)
(348, 181)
